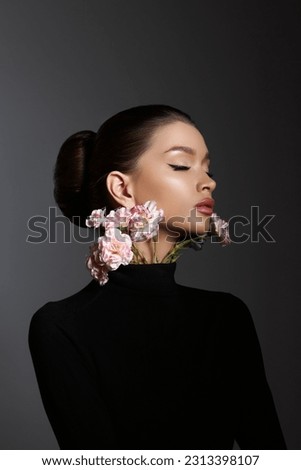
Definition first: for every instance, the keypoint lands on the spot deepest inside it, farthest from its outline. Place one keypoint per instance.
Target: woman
(134, 360)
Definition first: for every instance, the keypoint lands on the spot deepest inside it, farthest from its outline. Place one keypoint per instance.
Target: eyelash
(179, 167)
(185, 168)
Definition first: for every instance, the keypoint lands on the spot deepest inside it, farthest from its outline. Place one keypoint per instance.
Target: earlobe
(118, 185)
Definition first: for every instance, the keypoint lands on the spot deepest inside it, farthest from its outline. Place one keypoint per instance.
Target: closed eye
(209, 174)
(179, 167)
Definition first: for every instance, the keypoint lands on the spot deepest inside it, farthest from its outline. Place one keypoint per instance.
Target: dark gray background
(234, 66)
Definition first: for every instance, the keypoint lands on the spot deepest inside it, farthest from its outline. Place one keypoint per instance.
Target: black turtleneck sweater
(145, 363)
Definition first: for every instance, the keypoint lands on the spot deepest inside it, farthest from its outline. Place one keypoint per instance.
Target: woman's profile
(134, 360)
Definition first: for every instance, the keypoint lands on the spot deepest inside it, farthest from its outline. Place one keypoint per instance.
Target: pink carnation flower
(220, 228)
(96, 218)
(97, 267)
(144, 221)
(115, 248)
(119, 218)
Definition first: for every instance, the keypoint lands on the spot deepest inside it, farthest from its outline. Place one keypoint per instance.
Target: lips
(205, 206)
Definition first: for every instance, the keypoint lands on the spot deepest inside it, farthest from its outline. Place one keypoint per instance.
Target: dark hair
(87, 157)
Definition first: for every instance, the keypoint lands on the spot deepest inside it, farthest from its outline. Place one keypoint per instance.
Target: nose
(206, 183)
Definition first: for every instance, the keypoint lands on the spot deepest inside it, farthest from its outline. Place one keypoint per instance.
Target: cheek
(171, 193)
(177, 205)
(149, 189)
(151, 185)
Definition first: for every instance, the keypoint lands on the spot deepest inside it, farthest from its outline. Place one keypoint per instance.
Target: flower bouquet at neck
(123, 227)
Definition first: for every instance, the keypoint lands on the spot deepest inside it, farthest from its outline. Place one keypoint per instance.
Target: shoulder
(62, 314)
(225, 299)
(223, 307)
(232, 317)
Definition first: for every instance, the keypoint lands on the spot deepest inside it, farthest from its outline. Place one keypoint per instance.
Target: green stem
(171, 256)
(154, 244)
(176, 251)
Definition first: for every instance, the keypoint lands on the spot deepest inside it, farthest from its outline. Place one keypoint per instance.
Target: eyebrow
(188, 150)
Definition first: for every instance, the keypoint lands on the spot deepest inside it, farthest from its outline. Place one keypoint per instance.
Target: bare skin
(175, 179)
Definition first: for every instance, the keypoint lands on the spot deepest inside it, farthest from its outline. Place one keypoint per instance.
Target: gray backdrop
(234, 66)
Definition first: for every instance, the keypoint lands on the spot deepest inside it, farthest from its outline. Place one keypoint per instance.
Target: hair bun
(70, 176)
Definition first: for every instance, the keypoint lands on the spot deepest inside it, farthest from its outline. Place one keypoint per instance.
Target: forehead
(178, 134)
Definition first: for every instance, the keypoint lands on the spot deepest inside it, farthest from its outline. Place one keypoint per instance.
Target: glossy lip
(206, 206)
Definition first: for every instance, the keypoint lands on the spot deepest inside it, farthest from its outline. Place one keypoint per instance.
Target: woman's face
(174, 173)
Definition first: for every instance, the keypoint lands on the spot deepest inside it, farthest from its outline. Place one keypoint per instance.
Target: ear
(120, 189)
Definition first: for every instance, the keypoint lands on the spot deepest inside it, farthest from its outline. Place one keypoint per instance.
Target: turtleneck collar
(147, 277)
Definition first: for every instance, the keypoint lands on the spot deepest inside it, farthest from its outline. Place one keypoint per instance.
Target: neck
(154, 250)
